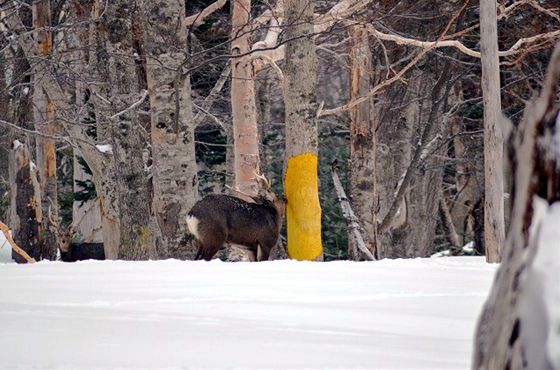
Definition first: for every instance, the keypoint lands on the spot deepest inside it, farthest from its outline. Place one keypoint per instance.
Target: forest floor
(392, 314)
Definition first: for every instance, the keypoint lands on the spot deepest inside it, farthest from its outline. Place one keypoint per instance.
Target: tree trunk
(136, 232)
(25, 204)
(243, 106)
(362, 143)
(172, 128)
(301, 183)
(5, 135)
(494, 229)
(517, 328)
(44, 122)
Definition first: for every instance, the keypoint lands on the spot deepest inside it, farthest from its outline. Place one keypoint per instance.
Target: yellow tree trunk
(301, 185)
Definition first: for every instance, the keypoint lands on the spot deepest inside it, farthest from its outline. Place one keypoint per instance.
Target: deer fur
(218, 219)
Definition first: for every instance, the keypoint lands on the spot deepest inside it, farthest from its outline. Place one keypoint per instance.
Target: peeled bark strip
(301, 185)
(44, 116)
(25, 203)
(362, 142)
(172, 128)
(494, 228)
(243, 106)
(514, 329)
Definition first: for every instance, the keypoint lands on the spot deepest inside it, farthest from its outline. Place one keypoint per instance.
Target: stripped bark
(44, 116)
(494, 227)
(243, 106)
(362, 142)
(172, 126)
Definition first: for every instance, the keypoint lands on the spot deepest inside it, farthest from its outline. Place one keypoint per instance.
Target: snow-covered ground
(393, 314)
(5, 249)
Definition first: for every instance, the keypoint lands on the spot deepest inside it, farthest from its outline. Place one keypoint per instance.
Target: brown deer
(218, 219)
(69, 251)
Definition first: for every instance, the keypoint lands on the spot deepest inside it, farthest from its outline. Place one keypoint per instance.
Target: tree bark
(362, 142)
(44, 117)
(301, 184)
(136, 232)
(516, 327)
(172, 127)
(243, 106)
(494, 228)
(25, 205)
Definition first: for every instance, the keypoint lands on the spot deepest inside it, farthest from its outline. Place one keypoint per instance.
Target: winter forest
(421, 138)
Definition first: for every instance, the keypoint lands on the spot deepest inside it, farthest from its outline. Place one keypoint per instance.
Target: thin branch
(133, 106)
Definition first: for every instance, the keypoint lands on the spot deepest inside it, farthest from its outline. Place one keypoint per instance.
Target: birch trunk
(301, 184)
(44, 122)
(362, 143)
(494, 228)
(243, 106)
(172, 128)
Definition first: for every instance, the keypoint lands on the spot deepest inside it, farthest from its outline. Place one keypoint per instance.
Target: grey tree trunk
(44, 117)
(172, 128)
(133, 196)
(494, 228)
(25, 203)
(362, 143)
(516, 327)
(300, 79)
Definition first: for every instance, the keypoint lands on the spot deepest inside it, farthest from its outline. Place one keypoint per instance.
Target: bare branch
(133, 106)
(351, 219)
(197, 19)
(13, 244)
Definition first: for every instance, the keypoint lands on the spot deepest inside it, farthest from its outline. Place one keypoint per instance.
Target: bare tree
(494, 226)
(514, 329)
(362, 141)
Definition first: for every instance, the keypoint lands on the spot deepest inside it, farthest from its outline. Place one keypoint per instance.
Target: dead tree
(516, 320)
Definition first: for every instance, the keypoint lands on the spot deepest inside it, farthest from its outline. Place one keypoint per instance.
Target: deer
(218, 219)
(72, 252)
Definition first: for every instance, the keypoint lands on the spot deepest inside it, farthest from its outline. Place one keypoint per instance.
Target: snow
(5, 249)
(391, 314)
(105, 148)
(540, 301)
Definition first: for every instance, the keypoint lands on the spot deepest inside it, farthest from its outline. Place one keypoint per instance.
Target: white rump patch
(192, 225)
